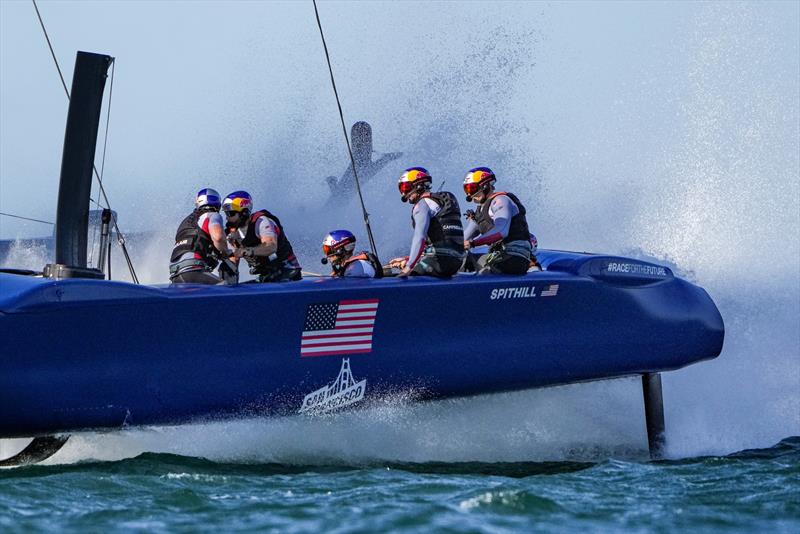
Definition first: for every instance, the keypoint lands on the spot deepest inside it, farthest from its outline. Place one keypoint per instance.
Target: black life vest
(191, 238)
(373, 260)
(261, 264)
(445, 230)
(518, 229)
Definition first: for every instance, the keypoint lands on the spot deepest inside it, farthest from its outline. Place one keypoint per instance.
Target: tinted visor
(328, 250)
(405, 187)
(471, 188)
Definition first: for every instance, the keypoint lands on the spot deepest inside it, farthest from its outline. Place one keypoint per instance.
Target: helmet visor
(328, 250)
(471, 188)
(405, 187)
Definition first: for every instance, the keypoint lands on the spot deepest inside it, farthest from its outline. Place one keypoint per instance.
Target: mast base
(57, 271)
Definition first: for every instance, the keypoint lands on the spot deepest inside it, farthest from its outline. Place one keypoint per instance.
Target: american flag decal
(550, 291)
(339, 328)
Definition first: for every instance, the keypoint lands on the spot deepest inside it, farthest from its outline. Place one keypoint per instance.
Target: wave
(785, 453)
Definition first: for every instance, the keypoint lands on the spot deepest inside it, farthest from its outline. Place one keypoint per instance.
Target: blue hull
(84, 355)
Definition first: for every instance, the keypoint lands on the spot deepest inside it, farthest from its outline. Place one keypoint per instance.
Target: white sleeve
(433, 206)
(422, 219)
(360, 269)
(209, 219)
(266, 228)
(501, 210)
(215, 219)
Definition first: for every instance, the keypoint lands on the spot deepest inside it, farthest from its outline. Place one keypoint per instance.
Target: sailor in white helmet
(199, 242)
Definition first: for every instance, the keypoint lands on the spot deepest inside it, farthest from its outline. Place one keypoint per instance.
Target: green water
(750, 491)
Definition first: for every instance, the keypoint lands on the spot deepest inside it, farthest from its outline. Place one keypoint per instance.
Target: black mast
(77, 163)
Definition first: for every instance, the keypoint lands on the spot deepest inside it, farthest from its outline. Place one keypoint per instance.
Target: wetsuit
(282, 265)
(437, 247)
(501, 223)
(474, 254)
(192, 258)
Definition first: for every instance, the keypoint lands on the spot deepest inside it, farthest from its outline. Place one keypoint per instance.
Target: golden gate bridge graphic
(342, 392)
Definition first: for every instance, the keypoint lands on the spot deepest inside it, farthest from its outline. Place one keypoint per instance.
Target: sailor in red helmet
(338, 247)
(499, 222)
(436, 247)
(199, 242)
(259, 238)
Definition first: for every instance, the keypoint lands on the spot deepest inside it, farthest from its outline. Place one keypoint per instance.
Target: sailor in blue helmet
(338, 247)
(260, 239)
(200, 239)
(498, 222)
(437, 245)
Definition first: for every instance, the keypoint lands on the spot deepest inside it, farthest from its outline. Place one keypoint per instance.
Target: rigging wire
(103, 159)
(346, 138)
(52, 53)
(25, 218)
(99, 176)
(120, 236)
(58, 67)
(108, 120)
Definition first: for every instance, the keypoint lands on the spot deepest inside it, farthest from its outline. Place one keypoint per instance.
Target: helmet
(337, 242)
(237, 202)
(208, 198)
(477, 179)
(412, 180)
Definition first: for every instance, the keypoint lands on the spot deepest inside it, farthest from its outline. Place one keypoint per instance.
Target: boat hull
(86, 354)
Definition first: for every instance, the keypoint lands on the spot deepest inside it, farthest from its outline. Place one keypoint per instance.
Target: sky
(559, 97)
(204, 91)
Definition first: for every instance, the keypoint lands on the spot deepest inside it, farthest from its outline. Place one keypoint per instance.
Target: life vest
(373, 260)
(445, 230)
(518, 229)
(191, 238)
(261, 264)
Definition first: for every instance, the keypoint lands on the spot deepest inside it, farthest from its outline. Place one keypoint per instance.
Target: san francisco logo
(342, 392)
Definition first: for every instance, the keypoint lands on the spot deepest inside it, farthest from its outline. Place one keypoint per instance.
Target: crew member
(200, 239)
(338, 247)
(437, 244)
(259, 238)
(500, 221)
(471, 261)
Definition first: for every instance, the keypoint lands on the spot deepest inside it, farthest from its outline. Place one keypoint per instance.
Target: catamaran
(80, 353)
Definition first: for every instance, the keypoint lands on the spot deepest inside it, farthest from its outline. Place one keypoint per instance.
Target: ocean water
(666, 131)
(749, 491)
